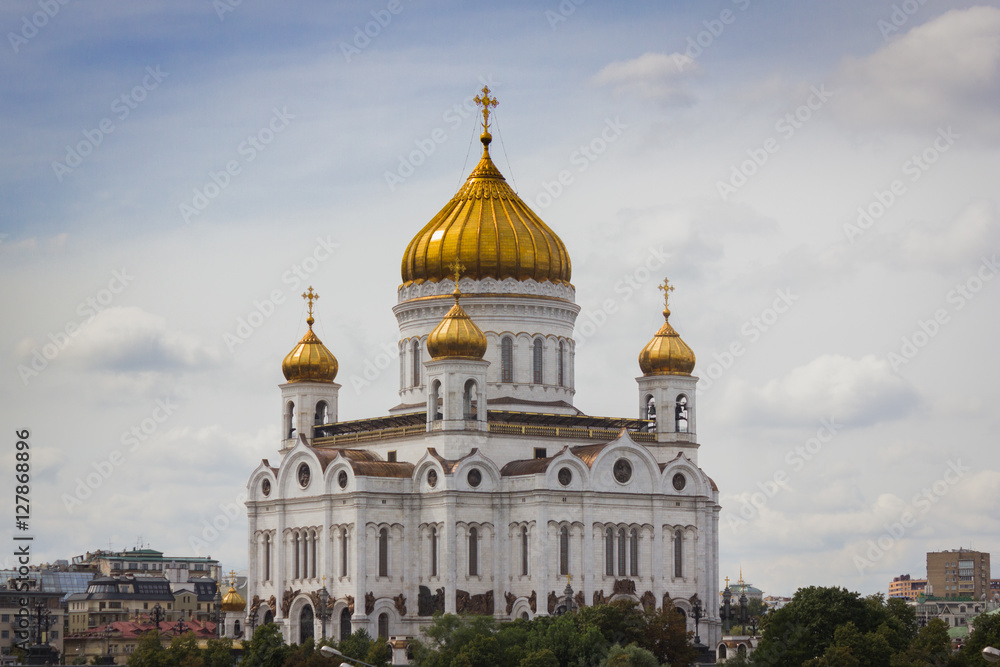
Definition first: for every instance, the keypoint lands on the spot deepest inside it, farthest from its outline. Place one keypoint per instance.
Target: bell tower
(309, 397)
(667, 388)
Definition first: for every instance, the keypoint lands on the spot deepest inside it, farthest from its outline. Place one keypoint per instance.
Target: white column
(498, 556)
(589, 574)
(449, 547)
(541, 559)
(360, 619)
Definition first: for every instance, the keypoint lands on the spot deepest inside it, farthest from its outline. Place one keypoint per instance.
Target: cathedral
(483, 491)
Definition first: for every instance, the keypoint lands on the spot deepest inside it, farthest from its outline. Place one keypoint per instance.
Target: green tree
(805, 627)
(632, 655)
(986, 632)
(149, 652)
(219, 653)
(184, 651)
(542, 658)
(266, 648)
(666, 635)
(932, 646)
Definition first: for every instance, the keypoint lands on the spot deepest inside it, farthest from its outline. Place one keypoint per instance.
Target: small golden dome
(456, 336)
(489, 229)
(666, 353)
(233, 601)
(310, 360)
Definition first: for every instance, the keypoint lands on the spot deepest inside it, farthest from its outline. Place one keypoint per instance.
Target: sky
(818, 181)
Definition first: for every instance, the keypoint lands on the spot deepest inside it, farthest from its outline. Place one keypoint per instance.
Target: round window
(265, 487)
(565, 476)
(432, 478)
(475, 477)
(623, 470)
(680, 482)
(303, 474)
(342, 479)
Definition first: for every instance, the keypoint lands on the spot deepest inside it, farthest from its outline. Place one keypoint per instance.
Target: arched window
(345, 623)
(681, 414)
(415, 355)
(506, 359)
(524, 551)
(650, 408)
(473, 552)
(678, 554)
(536, 361)
(267, 557)
(468, 400)
(290, 419)
(295, 545)
(633, 553)
(722, 651)
(343, 555)
(621, 552)
(322, 413)
(434, 551)
(236, 628)
(562, 364)
(609, 552)
(564, 550)
(383, 552)
(383, 625)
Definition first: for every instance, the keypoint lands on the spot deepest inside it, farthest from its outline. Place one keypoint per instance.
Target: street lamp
(991, 654)
(157, 615)
(331, 652)
(324, 598)
(696, 611)
(108, 629)
(727, 611)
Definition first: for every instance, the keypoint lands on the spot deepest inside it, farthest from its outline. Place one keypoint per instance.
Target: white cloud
(958, 244)
(653, 76)
(854, 392)
(945, 72)
(130, 340)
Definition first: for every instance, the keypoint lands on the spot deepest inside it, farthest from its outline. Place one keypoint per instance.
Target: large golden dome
(666, 353)
(456, 336)
(490, 230)
(310, 360)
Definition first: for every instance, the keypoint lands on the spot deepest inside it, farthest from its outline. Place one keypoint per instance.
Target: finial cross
(486, 102)
(310, 296)
(456, 268)
(727, 582)
(666, 288)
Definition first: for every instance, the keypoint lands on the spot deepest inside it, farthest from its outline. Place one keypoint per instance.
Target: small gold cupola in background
(456, 336)
(233, 601)
(666, 353)
(310, 360)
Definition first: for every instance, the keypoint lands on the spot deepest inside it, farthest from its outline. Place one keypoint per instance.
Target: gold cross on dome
(666, 288)
(232, 577)
(456, 268)
(486, 102)
(310, 296)
(727, 582)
